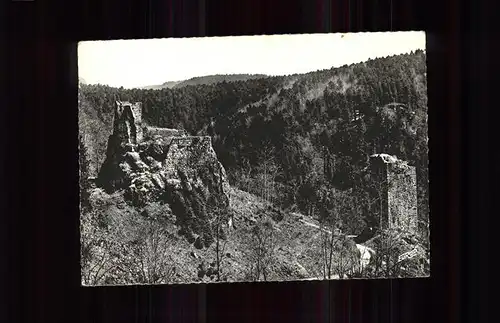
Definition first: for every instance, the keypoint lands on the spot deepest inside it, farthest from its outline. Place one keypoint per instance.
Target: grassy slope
(295, 239)
(295, 252)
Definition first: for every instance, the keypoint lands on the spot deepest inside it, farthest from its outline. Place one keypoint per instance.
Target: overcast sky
(137, 63)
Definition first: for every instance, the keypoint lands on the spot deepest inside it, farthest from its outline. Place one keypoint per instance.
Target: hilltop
(166, 85)
(209, 79)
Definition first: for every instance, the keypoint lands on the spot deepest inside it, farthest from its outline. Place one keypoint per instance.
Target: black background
(38, 164)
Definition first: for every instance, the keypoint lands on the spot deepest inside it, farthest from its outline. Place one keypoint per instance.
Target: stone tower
(127, 125)
(393, 192)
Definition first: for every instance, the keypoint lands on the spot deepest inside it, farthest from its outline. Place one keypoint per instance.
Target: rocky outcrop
(180, 170)
(151, 168)
(152, 132)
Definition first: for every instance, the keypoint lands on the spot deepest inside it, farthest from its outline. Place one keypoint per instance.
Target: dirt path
(314, 226)
(324, 230)
(365, 252)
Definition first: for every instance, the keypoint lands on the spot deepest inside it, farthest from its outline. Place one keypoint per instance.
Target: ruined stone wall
(128, 122)
(402, 196)
(393, 191)
(376, 186)
(152, 132)
(157, 163)
(137, 111)
(186, 153)
(196, 159)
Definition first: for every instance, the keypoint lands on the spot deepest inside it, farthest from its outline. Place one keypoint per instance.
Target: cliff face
(180, 170)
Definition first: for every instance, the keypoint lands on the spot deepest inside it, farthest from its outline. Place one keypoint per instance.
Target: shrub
(390, 247)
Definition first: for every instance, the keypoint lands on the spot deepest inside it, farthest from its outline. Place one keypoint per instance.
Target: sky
(137, 63)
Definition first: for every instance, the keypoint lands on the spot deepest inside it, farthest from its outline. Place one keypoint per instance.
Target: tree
(122, 246)
(388, 249)
(371, 195)
(143, 249)
(246, 176)
(268, 172)
(95, 250)
(221, 216)
(336, 250)
(262, 244)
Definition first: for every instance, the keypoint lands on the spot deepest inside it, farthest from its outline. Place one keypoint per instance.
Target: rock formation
(158, 164)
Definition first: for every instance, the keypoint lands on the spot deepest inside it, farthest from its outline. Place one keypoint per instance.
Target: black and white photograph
(253, 159)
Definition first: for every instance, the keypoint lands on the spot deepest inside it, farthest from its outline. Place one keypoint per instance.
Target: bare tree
(395, 257)
(221, 219)
(95, 252)
(327, 225)
(327, 247)
(387, 251)
(119, 245)
(143, 249)
(262, 244)
(154, 257)
(246, 176)
(268, 170)
(337, 254)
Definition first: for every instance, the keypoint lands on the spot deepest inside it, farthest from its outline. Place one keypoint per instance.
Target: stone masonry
(148, 161)
(393, 190)
(128, 122)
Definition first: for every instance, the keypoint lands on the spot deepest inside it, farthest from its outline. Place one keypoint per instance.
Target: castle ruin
(143, 159)
(127, 124)
(129, 128)
(147, 161)
(393, 193)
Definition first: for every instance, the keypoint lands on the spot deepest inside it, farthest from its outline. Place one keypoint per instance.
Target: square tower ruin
(393, 192)
(128, 122)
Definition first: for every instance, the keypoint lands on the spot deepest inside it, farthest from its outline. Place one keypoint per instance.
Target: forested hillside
(287, 138)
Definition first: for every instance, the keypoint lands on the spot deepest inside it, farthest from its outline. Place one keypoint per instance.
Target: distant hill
(209, 79)
(166, 85)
